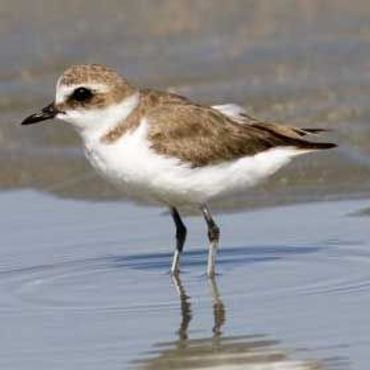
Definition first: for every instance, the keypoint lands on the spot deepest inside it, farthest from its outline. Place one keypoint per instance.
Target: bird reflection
(217, 351)
(185, 305)
(219, 311)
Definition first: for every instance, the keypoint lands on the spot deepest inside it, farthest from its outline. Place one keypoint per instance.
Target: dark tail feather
(312, 145)
(293, 136)
(315, 146)
(309, 131)
(315, 130)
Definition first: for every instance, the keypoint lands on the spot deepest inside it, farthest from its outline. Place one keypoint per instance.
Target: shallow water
(84, 281)
(86, 285)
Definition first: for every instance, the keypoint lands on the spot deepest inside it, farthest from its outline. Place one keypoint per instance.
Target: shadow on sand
(234, 256)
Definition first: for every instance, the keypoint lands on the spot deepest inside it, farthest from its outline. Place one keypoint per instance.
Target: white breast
(132, 165)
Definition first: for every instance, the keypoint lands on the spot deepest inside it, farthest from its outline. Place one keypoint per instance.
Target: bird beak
(46, 113)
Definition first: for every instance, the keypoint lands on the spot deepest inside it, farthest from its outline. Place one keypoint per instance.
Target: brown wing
(289, 131)
(294, 132)
(202, 136)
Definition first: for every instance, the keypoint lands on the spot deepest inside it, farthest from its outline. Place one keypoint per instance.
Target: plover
(163, 147)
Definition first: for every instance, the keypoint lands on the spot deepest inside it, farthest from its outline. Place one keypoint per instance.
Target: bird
(165, 148)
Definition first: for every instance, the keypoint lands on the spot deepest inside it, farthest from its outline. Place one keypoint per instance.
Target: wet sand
(82, 288)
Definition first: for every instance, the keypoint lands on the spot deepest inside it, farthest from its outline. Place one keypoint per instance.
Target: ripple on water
(100, 283)
(275, 289)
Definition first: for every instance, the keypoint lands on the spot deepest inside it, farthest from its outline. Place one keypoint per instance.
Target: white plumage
(134, 167)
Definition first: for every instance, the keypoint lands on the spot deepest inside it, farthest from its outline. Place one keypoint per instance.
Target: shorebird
(165, 148)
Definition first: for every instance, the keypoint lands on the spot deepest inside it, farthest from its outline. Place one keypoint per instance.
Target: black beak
(48, 112)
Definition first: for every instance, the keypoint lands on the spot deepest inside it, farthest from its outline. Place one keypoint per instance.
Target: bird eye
(82, 94)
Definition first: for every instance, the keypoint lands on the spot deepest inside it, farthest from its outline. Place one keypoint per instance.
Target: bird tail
(310, 145)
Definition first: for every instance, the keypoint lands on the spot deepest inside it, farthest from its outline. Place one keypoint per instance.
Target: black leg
(180, 229)
(213, 229)
(213, 236)
(180, 240)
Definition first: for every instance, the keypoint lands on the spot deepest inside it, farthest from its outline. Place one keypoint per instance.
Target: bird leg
(180, 240)
(213, 236)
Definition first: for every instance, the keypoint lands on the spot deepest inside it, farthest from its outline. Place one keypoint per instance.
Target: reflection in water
(186, 313)
(218, 352)
(219, 312)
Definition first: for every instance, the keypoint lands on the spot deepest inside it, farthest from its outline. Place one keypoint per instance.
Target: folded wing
(201, 135)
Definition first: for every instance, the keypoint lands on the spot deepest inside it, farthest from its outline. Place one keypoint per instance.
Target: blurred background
(304, 62)
(84, 284)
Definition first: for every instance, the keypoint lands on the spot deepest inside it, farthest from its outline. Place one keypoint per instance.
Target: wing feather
(202, 135)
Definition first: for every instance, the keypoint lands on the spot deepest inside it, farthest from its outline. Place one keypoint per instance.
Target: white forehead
(64, 91)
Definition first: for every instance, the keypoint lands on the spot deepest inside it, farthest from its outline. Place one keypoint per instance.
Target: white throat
(92, 124)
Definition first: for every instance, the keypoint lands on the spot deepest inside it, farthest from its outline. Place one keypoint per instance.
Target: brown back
(200, 135)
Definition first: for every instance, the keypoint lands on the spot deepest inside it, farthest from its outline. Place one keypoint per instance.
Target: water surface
(84, 286)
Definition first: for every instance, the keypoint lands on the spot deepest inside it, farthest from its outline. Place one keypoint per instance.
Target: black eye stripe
(82, 94)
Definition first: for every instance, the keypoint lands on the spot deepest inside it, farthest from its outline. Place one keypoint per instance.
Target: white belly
(138, 171)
